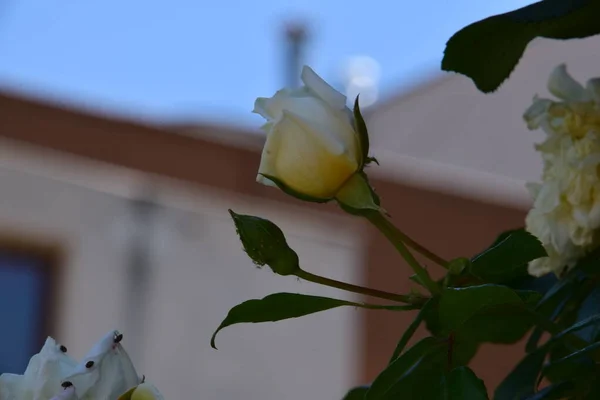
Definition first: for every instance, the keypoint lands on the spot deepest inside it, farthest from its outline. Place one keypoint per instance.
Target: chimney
(294, 53)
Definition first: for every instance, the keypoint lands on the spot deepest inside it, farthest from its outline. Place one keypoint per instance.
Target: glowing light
(361, 76)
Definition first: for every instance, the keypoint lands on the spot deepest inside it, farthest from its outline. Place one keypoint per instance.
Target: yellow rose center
(576, 119)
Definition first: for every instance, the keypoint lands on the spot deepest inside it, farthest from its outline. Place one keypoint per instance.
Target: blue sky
(198, 59)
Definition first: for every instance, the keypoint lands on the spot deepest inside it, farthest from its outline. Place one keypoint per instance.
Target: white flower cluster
(566, 211)
(106, 373)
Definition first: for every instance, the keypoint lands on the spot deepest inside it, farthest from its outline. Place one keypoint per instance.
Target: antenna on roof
(296, 35)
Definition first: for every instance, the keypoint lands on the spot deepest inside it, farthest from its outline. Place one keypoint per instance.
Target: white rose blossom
(106, 372)
(566, 210)
(314, 147)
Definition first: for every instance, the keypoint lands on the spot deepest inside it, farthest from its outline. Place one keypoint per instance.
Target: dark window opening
(27, 277)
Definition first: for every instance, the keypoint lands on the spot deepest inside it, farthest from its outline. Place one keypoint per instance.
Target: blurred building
(106, 223)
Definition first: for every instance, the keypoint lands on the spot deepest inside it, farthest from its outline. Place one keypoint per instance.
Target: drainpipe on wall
(139, 273)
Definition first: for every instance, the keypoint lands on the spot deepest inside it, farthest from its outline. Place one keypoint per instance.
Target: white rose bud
(316, 148)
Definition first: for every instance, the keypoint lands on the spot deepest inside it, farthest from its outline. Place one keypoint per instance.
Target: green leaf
(289, 191)
(507, 258)
(424, 380)
(550, 307)
(578, 326)
(385, 384)
(363, 134)
(462, 383)
(487, 51)
(485, 313)
(280, 306)
(594, 392)
(522, 380)
(553, 392)
(574, 365)
(358, 393)
(589, 265)
(410, 331)
(588, 308)
(265, 243)
(458, 305)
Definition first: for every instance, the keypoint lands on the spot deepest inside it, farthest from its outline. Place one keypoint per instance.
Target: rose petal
(311, 163)
(593, 89)
(563, 86)
(66, 394)
(105, 372)
(11, 386)
(319, 87)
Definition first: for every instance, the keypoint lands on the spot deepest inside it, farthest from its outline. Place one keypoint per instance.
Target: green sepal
(360, 127)
(356, 195)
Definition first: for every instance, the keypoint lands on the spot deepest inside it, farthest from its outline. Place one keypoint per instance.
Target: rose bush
(491, 297)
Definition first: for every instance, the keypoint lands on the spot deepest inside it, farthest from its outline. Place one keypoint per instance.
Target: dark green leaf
(462, 350)
(498, 324)
(573, 365)
(384, 384)
(358, 393)
(522, 380)
(426, 377)
(501, 237)
(280, 306)
(550, 306)
(462, 383)
(487, 51)
(553, 392)
(594, 391)
(410, 331)
(508, 258)
(265, 243)
(540, 284)
(458, 305)
(484, 313)
(595, 319)
(287, 190)
(588, 308)
(589, 265)
(423, 380)
(363, 134)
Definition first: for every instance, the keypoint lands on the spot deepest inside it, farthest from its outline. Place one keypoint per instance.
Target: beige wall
(199, 273)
